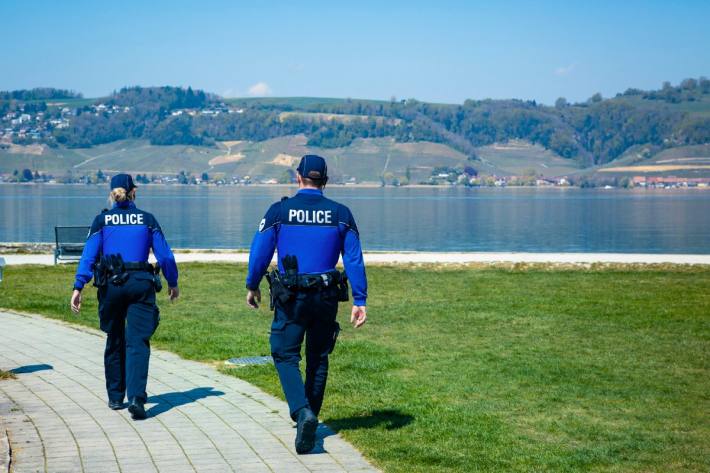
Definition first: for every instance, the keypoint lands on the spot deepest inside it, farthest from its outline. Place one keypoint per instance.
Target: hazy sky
(440, 51)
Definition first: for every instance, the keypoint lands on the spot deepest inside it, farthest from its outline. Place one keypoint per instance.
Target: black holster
(110, 269)
(100, 274)
(342, 288)
(277, 289)
(156, 279)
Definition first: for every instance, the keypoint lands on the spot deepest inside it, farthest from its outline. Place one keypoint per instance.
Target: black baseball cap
(123, 180)
(313, 167)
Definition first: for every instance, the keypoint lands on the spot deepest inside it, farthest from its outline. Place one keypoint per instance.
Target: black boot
(135, 407)
(115, 405)
(306, 430)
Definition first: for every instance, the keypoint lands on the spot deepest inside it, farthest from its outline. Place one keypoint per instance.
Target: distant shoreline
(356, 186)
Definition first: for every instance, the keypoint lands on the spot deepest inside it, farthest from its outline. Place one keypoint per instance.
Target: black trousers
(310, 315)
(129, 316)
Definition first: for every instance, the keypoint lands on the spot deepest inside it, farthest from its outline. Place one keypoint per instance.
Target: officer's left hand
(358, 316)
(76, 301)
(253, 297)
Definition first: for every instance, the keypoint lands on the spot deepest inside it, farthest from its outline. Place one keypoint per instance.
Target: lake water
(430, 219)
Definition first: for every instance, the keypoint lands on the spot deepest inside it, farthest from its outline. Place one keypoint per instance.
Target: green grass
(6, 375)
(463, 369)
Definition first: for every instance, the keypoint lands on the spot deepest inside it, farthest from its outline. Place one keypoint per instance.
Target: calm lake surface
(430, 219)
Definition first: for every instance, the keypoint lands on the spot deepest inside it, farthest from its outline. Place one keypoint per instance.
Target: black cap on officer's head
(313, 167)
(123, 180)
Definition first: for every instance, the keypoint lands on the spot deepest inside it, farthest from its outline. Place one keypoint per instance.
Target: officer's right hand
(253, 297)
(173, 293)
(358, 316)
(76, 301)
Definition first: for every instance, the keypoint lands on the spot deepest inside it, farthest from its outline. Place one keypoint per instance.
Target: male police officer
(116, 256)
(310, 232)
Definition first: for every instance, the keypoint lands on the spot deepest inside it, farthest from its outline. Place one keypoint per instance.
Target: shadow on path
(165, 402)
(31, 369)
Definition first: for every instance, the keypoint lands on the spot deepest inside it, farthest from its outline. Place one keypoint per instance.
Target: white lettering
(123, 219)
(310, 216)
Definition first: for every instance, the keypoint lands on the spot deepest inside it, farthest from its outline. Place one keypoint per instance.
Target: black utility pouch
(343, 288)
(157, 282)
(270, 279)
(335, 337)
(290, 265)
(100, 274)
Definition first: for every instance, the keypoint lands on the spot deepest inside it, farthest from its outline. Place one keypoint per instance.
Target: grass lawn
(463, 369)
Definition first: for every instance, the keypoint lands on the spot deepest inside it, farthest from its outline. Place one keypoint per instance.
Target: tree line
(593, 132)
(39, 93)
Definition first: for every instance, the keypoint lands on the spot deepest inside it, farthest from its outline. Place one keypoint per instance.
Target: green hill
(682, 161)
(158, 130)
(365, 159)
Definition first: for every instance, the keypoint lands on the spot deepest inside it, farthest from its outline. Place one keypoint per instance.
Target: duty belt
(112, 269)
(313, 281)
(283, 287)
(140, 266)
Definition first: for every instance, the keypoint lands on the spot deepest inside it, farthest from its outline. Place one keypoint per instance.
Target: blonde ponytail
(119, 194)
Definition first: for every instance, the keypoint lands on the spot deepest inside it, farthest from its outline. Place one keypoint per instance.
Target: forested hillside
(591, 133)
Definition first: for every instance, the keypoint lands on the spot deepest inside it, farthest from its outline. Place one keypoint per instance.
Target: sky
(437, 51)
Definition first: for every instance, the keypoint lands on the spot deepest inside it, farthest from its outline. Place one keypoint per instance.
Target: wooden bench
(70, 242)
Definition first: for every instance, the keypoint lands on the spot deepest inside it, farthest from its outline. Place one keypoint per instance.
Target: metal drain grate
(249, 360)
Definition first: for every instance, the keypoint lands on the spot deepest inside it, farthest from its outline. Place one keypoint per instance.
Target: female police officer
(116, 255)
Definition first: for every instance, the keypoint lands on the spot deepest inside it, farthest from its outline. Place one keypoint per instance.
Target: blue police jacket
(130, 232)
(315, 230)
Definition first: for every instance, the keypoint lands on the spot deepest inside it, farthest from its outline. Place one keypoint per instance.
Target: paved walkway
(57, 420)
(433, 257)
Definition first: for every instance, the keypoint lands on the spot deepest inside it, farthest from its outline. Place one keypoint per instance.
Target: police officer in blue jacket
(309, 232)
(116, 256)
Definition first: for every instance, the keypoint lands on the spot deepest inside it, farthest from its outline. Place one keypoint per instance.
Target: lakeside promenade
(202, 255)
(53, 416)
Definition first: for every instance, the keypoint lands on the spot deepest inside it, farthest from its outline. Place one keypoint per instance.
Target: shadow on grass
(391, 419)
(31, 369)
(165, 402)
